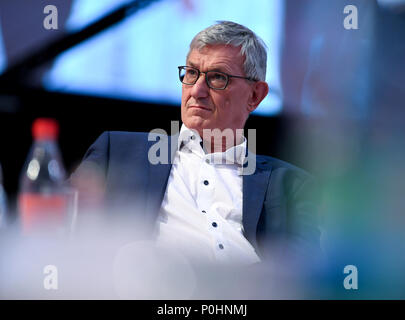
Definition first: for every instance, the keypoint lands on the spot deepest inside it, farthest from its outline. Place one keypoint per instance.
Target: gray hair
(230, 33)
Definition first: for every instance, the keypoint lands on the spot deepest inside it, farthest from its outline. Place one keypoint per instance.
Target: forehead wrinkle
(222, 63)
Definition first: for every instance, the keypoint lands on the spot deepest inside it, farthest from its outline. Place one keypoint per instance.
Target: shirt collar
(191, 139)
(186, 135)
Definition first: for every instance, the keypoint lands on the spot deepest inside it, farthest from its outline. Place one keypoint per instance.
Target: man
(200, 202)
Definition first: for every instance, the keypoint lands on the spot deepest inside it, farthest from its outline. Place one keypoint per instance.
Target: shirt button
(221, 246)
(214, 224)
(206, 182)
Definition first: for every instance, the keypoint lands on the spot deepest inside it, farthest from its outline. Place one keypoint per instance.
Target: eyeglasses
(215, 79)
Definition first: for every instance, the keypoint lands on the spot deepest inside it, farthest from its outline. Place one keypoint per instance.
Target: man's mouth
(200, 107)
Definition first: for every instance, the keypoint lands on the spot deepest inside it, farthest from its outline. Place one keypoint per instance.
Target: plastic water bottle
(43, 199)
(3, 203)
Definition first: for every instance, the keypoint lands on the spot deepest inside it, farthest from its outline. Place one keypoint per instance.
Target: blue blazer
(279, 200)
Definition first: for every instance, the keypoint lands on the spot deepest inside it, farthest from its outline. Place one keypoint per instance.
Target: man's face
(206, 108)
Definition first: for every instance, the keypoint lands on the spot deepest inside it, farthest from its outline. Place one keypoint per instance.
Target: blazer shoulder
(127, 146)
(280, 164)
(107, 138)
(116, 144)
(122, 137)
(286, 168)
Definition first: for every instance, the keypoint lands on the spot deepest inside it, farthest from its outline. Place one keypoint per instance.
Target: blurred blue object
(3, 202)
(2, 53)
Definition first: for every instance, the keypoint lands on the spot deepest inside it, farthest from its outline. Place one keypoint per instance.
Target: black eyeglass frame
(206, 79)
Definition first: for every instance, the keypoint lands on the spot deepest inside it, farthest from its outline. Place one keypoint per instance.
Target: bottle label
(39, 211)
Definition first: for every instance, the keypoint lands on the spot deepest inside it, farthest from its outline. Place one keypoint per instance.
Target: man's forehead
(216, 53)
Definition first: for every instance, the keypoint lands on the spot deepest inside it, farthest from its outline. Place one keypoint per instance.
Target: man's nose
(200, 89)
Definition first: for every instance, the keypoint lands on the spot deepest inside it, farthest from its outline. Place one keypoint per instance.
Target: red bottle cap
(45, 129)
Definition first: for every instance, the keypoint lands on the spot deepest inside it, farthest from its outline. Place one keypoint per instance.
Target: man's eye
(191, 72)
(218, 77)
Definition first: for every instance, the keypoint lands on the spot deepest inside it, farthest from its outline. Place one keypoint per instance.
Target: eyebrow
(219, 69)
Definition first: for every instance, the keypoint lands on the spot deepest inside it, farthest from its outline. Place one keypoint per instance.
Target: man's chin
(197, 123)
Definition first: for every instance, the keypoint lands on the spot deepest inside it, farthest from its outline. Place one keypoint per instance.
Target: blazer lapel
(158, 178)
(254, 191)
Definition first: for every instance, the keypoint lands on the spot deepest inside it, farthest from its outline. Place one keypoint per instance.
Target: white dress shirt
(201, 213)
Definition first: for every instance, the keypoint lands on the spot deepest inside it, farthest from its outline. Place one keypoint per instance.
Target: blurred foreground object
(394, 5)
(3, 203)
(44, 198)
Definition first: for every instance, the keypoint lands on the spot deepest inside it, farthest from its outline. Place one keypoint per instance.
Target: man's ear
(260, 89)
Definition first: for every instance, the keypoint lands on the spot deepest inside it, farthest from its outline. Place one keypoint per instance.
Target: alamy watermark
(51, 20)
(350, 282)
(350, 22)
(51, 277)
(159, 152)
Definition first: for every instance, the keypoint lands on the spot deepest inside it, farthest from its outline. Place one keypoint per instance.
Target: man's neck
(221, 141)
